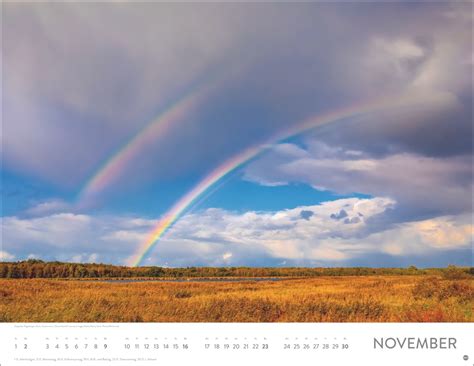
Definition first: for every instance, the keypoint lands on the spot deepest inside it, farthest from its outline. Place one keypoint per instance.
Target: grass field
(323, 299)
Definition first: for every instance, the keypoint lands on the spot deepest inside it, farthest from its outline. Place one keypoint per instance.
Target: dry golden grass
(323, 299)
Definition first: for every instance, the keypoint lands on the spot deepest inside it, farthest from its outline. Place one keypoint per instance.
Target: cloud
(74, 237)
(216, 237)
(340, 215)
(400, 58)
(306, 214)
(79, 85)
(227, 256)
(436, 124)
(278, 237)
(420, 185)
(352, 220)
(93, 86)
(422, 236)
(5, 256)
(85, 257)
(49, 207)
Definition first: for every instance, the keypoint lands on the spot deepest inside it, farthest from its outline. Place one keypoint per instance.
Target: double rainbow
(111, 169)
(178, 209)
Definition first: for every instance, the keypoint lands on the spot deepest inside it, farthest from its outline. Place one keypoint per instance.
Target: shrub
(454, 273)
(442, 290)
(427, 288)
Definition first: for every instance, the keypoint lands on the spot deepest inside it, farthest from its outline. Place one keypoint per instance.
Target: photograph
(260, 164)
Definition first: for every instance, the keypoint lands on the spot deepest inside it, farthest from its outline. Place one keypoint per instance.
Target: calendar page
(234, 344)
(236, 183)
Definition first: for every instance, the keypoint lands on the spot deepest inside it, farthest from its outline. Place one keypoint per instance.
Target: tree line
(34, 268)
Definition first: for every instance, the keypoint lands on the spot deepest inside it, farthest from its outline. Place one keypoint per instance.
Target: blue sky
(391, 187)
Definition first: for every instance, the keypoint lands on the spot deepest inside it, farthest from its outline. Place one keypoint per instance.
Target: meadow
(372, 298)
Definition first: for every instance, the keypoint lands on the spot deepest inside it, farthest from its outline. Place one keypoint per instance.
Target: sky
(238, 134)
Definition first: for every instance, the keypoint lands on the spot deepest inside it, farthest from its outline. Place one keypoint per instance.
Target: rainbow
(190, 198)
(158, 126)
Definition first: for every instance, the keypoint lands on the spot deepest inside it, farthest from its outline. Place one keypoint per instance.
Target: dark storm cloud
(437, 133)
(79, 83)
